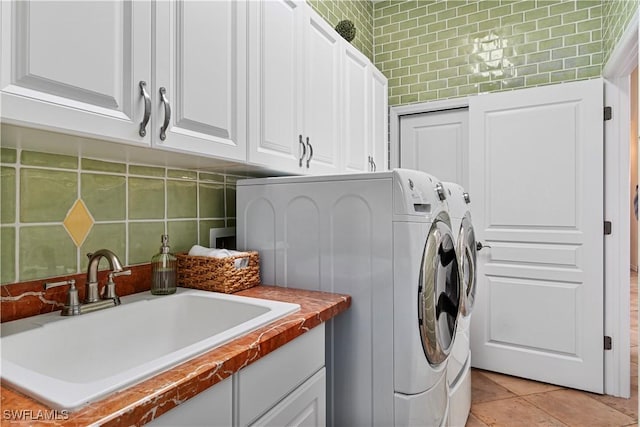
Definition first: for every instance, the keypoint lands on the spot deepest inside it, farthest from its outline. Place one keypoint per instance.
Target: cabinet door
(378, 147)
(200, 61)
(275, 70)
(357, 110)
(305, 406)
(76, 66)
(321, 95)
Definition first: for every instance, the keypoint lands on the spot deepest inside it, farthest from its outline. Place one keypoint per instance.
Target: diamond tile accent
(78, 222)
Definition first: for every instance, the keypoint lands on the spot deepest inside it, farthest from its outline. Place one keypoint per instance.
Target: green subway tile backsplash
(46, 195)
(130, 206)
(8, 155)
(100, 166)
(7, 195)
(34, 158)
(146, 198)
(146, 171)
(211, 200)
(182, 235)
(104, 196)
(182, 199)
(231, 200)
(45, 251)
(144, 240)
(509, 44)
(7, 254)
(182, 174)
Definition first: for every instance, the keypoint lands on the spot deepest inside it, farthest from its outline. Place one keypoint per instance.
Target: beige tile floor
(502, 400)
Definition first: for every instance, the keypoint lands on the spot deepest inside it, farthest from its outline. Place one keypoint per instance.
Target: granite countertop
(144, 401)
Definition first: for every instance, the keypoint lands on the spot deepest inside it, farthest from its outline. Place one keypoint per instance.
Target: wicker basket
(218, 274)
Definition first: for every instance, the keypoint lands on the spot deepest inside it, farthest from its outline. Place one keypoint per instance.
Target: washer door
(467, 262)
(438, 292)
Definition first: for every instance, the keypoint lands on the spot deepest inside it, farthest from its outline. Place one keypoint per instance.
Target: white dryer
(384, 238)
(459, 367)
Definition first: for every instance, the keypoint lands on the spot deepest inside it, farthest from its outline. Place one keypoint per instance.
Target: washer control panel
(415, 192)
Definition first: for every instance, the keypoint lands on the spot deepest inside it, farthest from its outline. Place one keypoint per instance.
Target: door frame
(617, 72)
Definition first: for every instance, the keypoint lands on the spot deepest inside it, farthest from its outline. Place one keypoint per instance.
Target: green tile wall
(130, 207)
(360, 12)
(616, 15)
(445, 49)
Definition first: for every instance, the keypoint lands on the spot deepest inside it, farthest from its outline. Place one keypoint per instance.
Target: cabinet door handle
(147, 108)
(310, 152)
(167, 113)
(304, 151)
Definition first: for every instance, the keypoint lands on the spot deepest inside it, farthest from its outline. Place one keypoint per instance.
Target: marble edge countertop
(146, 400)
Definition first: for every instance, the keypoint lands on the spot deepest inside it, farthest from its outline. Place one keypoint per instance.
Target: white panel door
(378, 147)
(321, 95)
(436, 143)
(77, 66)
(357, 110)
(275, 69)
(200, 59)
(536, 176)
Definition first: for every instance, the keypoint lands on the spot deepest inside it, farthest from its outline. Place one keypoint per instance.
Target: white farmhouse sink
(67, 362)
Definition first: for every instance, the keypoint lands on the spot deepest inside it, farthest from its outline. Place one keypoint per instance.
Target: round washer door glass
(438, 293)
(467, 263)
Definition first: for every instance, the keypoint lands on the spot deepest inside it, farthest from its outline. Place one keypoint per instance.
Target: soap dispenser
(163, 270)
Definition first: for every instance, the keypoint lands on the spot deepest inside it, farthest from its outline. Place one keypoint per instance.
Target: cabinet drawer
(263, 384)
(212, 407)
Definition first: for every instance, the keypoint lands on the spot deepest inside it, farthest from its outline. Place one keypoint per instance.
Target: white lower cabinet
(273, 387)
(284, 388)
(212, 407)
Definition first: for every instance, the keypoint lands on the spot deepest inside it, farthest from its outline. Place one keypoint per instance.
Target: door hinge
(607, 228)
(608, 344)
(608, 113)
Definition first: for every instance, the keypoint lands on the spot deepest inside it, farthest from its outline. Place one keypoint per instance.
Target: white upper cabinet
(294, 88)
(378, 147)
(357, 110)
(200, 77)
(77, 66)
(365, 110)
(321, 95)
(274, 70)
(268, 82)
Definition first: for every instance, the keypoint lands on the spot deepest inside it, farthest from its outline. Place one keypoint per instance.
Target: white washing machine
(459, 366)
(385, 239)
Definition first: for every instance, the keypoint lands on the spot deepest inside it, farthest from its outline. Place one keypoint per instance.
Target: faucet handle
(72, 306)
(120, 273)
(110, 287)
(49, 285)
